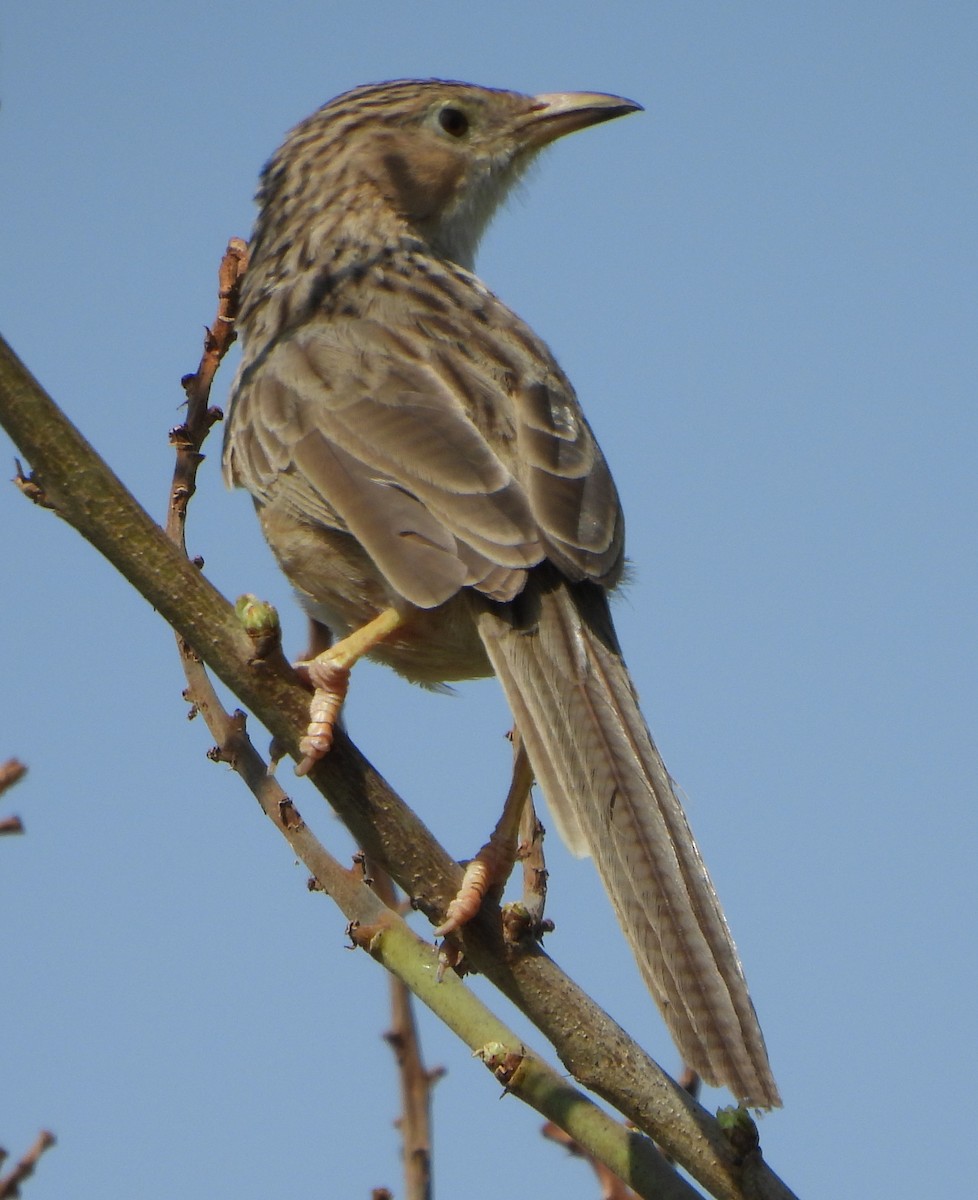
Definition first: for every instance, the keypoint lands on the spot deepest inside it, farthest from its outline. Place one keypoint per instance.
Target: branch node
(521, 926)
(739, 1130)
(29, 487)
(261, 623)
(503, 1063)
(288, 815)
(366, 937)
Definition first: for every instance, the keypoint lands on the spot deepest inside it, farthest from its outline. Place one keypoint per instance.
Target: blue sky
(763, 288)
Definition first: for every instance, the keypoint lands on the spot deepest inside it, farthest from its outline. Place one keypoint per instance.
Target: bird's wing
(452, 463)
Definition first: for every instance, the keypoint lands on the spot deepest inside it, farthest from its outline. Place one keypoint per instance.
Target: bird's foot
(492, 866)
(331, 682)
(329, 675)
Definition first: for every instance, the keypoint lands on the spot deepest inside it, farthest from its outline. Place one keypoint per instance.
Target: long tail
(557, 657)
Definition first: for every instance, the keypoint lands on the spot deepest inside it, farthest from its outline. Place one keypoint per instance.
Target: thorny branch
(70, 477)
(189, 437)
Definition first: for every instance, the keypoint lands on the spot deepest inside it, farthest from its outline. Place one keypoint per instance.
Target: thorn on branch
(360, 860)
(366, 937)
(520, 926)
(187, 651)
(288, 815)
(502, 1062)
(450, 957)
(29, 487)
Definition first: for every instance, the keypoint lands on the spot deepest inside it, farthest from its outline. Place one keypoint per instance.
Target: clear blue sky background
(764, 289)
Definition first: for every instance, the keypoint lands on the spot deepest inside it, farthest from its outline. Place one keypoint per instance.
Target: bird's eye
(453, 121)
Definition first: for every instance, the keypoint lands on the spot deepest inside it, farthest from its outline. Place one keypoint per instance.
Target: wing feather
(453, 461)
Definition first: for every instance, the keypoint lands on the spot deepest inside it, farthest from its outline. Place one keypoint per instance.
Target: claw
(332, 682)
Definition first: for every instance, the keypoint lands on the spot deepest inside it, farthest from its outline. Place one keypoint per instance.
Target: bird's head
(440, 155)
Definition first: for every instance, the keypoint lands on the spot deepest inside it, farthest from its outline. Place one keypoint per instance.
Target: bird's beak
(557, 113)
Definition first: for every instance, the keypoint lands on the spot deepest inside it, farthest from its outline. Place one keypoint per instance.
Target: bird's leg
(491, 867)
(329, 674)
(530, 854)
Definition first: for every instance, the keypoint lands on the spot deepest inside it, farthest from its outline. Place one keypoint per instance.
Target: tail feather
(557, 657)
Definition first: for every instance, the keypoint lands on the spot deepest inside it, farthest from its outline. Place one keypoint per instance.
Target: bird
(427, 480)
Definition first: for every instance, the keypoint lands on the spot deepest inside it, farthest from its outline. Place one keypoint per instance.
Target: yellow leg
(329, 674)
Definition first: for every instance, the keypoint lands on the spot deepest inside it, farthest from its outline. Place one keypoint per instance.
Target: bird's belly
(436, 645)
(339, 585)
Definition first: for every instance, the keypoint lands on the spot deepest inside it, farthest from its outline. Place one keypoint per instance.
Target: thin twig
(416, 1080)
(10, 1183)
(189, 437)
